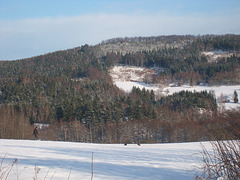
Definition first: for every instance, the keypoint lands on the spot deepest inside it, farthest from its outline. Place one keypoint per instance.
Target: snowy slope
(111, 161)
(126, 77)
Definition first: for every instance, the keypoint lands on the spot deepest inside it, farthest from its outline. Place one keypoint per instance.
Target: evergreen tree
(235, 97)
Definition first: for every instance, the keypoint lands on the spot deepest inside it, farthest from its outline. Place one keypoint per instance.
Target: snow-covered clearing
(126, 77)
(110, 161)
(217, 55)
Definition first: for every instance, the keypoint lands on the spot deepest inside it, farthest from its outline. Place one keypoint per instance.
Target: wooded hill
(73, 92)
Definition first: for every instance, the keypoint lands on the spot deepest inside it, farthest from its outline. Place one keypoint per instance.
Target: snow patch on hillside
(128, 85)
(130, 73)
(213, 56)
(126, 77)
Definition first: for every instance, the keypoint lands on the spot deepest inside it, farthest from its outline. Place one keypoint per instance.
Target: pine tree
(235, 97)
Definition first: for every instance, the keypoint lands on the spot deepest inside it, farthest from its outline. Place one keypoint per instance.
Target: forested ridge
(72, 91)
(182, 59)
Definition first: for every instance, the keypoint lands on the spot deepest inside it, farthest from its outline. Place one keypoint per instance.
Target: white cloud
(30, 37)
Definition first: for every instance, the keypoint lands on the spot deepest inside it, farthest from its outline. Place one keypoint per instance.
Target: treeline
(80, 116)
(124, 122)
(187, 100)
(150, 40)
(203, 42)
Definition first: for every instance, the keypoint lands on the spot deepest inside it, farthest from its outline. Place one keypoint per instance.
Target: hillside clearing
(126, 77)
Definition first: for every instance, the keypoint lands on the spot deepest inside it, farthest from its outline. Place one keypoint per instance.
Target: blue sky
(33, 27)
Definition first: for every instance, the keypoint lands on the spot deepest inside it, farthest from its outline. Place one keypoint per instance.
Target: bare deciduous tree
(224, 159)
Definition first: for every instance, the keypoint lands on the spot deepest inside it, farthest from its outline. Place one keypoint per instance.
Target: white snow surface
(126, 77)
(59, 160)
(128, 85)
(130, 73)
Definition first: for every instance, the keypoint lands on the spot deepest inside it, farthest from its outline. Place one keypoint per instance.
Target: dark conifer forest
(72, 91)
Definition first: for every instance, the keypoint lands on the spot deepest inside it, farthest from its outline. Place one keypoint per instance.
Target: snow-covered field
(126, 77)
(59, 160)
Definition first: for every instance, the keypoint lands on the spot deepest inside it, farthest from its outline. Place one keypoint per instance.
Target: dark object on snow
(36, 133)
(125, 144)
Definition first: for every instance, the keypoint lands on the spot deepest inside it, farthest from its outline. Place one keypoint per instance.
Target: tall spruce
(235, 97)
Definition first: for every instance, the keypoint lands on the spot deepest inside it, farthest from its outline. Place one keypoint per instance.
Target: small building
(41, 125)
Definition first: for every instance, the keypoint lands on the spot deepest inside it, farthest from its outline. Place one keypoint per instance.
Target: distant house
(41, 125)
